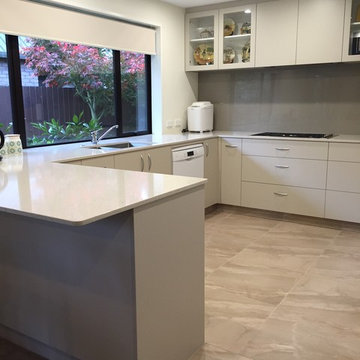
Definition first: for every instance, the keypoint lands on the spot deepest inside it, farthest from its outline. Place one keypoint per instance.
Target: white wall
(173, 89)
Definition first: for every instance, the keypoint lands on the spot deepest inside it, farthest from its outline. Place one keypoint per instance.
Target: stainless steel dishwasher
(188, 160)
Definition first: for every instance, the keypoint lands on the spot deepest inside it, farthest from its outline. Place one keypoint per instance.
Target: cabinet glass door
(352, 30)
(237, 37)
(201, 41)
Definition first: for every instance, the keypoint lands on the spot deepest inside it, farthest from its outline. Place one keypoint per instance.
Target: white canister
(13, 144)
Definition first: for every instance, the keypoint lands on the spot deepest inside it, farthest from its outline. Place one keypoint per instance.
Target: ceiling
(192, 3)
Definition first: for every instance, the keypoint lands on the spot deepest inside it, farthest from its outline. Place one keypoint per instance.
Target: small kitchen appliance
(201, 116)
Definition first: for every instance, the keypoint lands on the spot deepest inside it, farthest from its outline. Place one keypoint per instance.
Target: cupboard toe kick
(287, 199)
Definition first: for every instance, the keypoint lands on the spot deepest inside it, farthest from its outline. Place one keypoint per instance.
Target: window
(61, 92)
(5, 105)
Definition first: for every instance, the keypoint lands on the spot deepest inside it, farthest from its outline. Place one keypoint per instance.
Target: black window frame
(17, 103)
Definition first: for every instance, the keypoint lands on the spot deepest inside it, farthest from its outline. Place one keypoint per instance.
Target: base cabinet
(343, 206)
(211, 171)
(102, 161)
(152, 160)
(287, 199)
(231, 171)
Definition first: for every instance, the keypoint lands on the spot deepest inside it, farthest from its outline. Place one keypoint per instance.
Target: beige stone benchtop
(37, 184)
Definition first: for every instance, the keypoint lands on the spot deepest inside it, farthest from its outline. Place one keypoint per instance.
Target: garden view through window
(68, 90)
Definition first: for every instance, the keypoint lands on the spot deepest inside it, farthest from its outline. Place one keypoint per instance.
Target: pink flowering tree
(89, 70)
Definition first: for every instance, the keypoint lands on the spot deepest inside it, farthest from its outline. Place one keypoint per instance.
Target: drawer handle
(282, 166)
(231, 146)
(282, 149)
(280, 193)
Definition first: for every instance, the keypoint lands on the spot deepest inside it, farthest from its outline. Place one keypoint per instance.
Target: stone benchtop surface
(39, 185)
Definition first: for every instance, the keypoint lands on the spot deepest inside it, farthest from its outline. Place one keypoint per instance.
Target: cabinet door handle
(280, 193)
(282, 149)
(206, 149)
(149, 160)
(282, 166)
(142, 163)
(231, 146)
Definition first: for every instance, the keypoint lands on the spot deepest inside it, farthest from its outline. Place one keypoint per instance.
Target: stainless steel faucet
(94, 134)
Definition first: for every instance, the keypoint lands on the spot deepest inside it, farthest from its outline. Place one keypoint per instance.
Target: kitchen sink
(122, 145)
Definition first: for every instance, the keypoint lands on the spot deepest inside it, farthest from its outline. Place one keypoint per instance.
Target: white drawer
(342, 206)
(285, 199)
(343, 176)
(344, 152)
(286, 148)
(293, 172)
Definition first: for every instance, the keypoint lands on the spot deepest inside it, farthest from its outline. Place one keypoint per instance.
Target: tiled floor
(280, 290)
(275, 290)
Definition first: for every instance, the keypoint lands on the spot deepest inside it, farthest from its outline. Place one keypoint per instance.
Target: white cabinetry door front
(288, 199)
(320, 31)
(276, 31)
(231, 171)
(342, 206)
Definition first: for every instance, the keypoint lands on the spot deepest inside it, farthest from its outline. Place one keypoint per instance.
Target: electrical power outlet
(169, 123)
(177, 122)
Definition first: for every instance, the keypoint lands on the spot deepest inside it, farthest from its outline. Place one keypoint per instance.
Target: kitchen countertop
(37, 184)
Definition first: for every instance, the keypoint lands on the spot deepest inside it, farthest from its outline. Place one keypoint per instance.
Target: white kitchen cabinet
(237, 31)
(320, 31)
(287, 199)
(152, 160)
(351, 43)
(286, 148)
(343, 182)
(74, 162)
(201, 41)
(343, 176)
(292, 172)
(284, 175)
(343, 206)
(211, 171)
(102, 161)
(344, 152)
(276, 33)
(230, 171)
(158, 160)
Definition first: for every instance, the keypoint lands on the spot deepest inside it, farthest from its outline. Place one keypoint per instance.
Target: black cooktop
(295, 135)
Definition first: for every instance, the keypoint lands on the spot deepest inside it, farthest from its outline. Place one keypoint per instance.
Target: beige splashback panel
(311, 98)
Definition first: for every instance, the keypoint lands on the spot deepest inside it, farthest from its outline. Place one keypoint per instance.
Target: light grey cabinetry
(152, 160)
(211, 171)
(320, 31)
(343, 182)
(231, 171)
(276, 33)
(101, 161)
(285, 176)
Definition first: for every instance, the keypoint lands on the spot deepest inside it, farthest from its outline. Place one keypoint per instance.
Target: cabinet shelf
(237, 36)
(202, 40)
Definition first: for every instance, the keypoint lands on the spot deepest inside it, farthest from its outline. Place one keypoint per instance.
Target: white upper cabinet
(351, 51)
(201, 41)
(320, 31)
(276, 32)
(237, 37)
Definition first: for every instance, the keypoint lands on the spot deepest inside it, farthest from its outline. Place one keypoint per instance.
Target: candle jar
(13, 144)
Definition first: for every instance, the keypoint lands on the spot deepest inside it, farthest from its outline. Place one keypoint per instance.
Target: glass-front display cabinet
(237, 37)
(352, 31)
(201, 41)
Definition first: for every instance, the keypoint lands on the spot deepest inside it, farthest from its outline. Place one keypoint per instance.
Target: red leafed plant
(88, 69)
